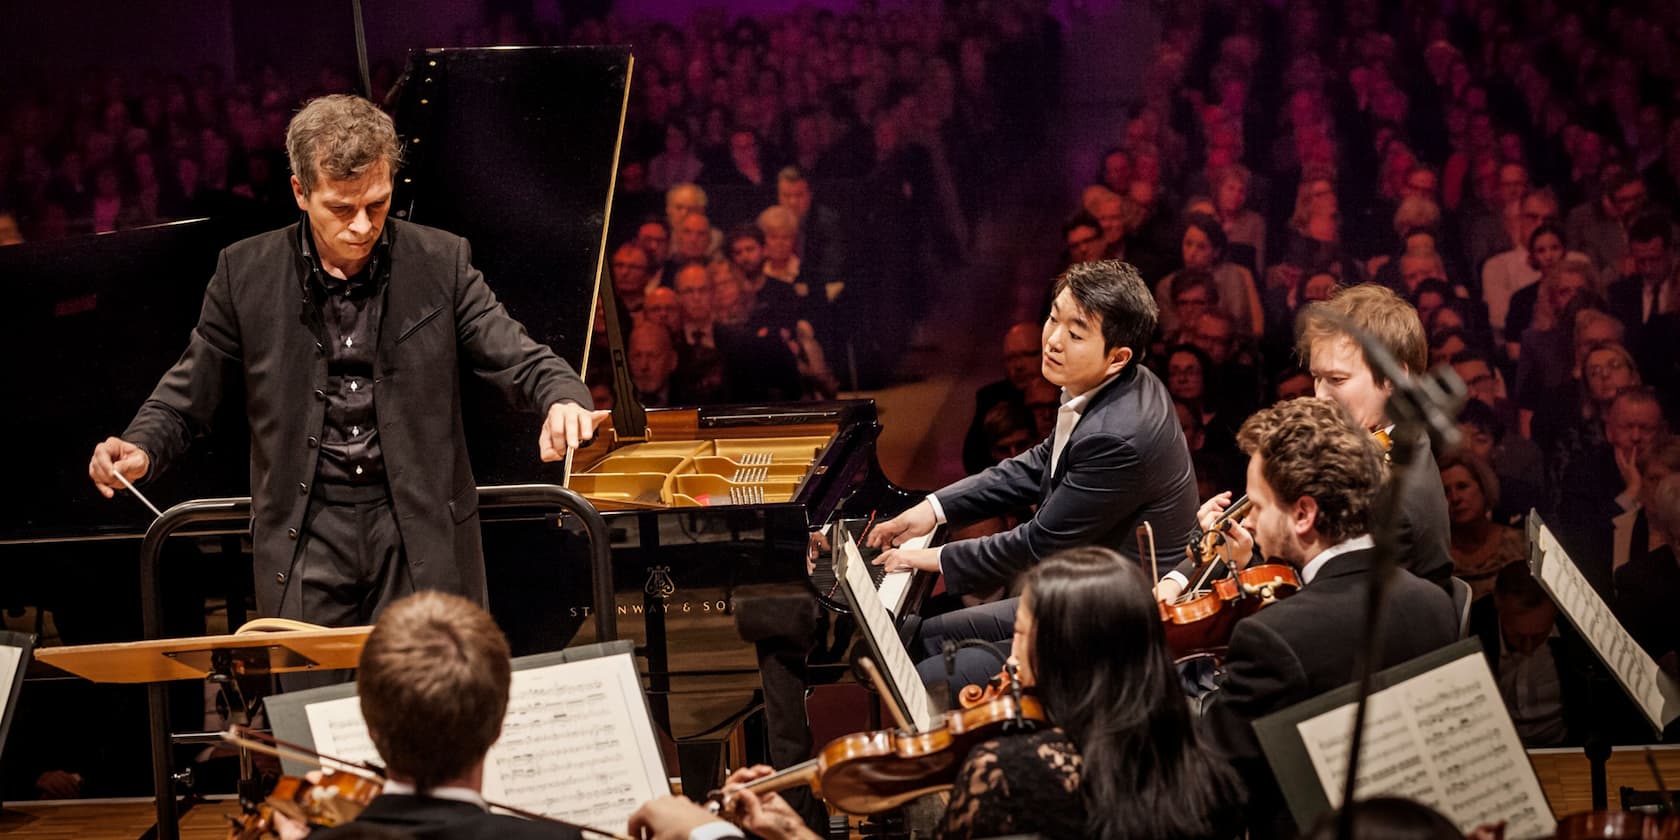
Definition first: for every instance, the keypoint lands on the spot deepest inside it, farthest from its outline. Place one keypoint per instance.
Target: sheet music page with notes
(1443, 738)
(11, 659)
(1575, 597)
(866, 603)
(577, 742)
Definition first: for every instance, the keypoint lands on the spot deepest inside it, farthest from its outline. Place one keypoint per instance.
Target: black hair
(743, 231)
(1191, 278)
(1651, 226)
(1478, 415)
(1545, 227)
(1078, 220)
(1113, 291)
(1434, 284)
(1388, 818)
(654, 220)
(1123, 705)
(1210, 227)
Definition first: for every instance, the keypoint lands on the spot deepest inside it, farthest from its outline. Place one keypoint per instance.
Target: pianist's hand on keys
(918, 521)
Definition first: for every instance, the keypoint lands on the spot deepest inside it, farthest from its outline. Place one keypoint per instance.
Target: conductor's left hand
(568, 426)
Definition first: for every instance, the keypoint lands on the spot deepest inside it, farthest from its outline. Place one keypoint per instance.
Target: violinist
(1341, 372)
(1313, 478)
(1115, 459)
(1121, 743)
(434, 681)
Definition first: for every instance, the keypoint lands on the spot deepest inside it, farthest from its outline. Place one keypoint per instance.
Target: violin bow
(255, 741)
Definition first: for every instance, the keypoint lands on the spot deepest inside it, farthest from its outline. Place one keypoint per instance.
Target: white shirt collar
(1077, 404)
(1315, 565)
(457, 794)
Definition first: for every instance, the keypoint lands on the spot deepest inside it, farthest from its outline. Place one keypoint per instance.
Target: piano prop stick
(1436, 731)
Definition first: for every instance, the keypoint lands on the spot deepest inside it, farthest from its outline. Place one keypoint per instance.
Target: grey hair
(1664, 511)
(341, 137)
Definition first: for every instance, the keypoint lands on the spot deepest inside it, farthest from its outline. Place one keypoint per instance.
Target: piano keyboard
(893, 589)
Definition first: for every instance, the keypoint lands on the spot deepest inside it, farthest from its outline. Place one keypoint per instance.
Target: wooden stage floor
(1563, 775)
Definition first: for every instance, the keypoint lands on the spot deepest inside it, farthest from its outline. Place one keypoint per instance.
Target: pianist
(1116, 459)
(346, 331)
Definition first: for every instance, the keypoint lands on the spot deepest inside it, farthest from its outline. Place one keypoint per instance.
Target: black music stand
(15, 649)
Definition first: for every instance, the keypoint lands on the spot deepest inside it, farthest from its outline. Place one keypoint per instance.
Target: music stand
(14, 660)
(230, 662)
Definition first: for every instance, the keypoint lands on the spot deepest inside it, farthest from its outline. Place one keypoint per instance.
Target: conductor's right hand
(113, 456)
(916, 522)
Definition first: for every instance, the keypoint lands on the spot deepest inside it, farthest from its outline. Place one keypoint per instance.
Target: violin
(870, 772)
(1618, 825)
(335, 799)
(1199, 622)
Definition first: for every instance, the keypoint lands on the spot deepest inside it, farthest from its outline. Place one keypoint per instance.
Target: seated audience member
(1480, 546)
(691, 238)
(1540, 671)
(1313, 477)
(1088, 477)
(1234, 372)
(654, 237)
(662, 308)
(1546, 368)
(1078, 774)
(781, 231)
(1517, 462)
(776, 306)
(1653, 289)
(1082, 239)
(821, 245)
(1110, 211)
(1486, 383)
(684, 200)
(632, 271)
(730, 303)
(677, 163)
(1291, 383)
(1043, 400)
(1193, 292)
(1599, 226)
(1607, 369)
(1506, 272)
(1244, 228)
(1604, 482)
(1204, 250)
(1021, 362)
(1633, 535)
(1647, 588)
(1546, 248)
(721, 363)
(1445, 346)
(1341, 372)
(433, 679)
(1190, 378)
(652, 355)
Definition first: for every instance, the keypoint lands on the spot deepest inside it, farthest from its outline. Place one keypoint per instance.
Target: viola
(870, 772)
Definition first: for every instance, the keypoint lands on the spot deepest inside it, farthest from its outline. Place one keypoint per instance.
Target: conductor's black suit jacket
(1125, 463)
(261, 327)
(1308, 644)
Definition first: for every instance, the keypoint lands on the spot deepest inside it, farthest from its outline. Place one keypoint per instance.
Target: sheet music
(10, 659)
(1443, 738)
(577, 743)
(1575, 597)
(339, 730)
(897, 666)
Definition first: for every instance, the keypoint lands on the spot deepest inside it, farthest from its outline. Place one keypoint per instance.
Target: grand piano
(720, 515)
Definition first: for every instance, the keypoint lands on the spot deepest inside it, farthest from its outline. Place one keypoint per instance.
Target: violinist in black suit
(434, 680)
(1341, 372)
(1115, 459)
(1313, 481)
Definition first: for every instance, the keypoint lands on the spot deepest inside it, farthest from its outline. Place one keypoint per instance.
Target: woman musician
(1122, 743)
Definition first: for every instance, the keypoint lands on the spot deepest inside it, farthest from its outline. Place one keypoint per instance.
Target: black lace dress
(1026, 783)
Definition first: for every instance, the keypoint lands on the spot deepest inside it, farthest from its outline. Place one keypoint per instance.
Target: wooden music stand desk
(256, 649)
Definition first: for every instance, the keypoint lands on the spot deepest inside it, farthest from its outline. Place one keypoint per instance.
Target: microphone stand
(1420, 405)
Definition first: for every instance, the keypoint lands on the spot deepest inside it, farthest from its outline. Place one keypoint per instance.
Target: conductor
(348, 330)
